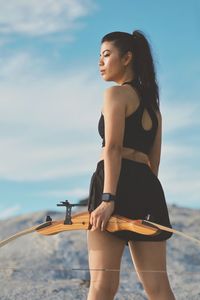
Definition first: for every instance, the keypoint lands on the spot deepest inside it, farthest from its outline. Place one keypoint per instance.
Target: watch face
(106, 197)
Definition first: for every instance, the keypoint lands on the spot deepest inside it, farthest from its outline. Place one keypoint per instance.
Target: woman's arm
(155, 153)
(114, 109)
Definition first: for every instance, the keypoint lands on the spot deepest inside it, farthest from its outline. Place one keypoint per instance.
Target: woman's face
(110, 63)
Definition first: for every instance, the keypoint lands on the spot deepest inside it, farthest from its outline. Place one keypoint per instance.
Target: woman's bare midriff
(131, 154)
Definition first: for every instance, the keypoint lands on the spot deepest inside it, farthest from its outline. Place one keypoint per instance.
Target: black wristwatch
(108, 197)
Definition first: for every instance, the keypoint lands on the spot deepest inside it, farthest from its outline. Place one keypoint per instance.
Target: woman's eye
(106, 55)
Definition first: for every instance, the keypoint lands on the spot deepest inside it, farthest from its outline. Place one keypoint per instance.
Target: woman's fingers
(96, 222)
(93, 222)
(103, 226)
(99, 219)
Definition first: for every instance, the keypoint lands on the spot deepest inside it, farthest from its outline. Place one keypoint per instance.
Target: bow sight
(68, 206)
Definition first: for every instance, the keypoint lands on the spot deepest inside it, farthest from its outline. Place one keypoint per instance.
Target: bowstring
(102, 269)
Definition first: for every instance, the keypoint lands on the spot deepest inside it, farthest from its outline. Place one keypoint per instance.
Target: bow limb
(118, 223)
(21, 233)
(171, 230)
(80, 222)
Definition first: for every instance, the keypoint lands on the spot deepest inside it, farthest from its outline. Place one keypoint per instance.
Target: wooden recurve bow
(80, 221)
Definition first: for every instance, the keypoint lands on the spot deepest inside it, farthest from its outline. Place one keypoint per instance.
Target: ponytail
(144, 70)
(143, 65)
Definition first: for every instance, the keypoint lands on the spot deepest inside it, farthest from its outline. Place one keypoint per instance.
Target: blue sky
(51, 96)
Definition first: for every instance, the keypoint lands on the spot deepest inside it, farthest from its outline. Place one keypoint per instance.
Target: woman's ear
(128, 56)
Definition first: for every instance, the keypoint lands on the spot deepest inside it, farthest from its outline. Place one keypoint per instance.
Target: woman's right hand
(100, 216)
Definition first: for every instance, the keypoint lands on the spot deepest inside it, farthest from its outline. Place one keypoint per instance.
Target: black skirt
(139, 194)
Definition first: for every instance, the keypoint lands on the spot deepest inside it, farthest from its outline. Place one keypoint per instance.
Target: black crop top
(135, 136)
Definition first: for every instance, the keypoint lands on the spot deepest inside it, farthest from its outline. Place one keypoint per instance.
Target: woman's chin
(106, 78)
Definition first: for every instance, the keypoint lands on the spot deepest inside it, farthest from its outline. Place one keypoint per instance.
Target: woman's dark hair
(143, 65)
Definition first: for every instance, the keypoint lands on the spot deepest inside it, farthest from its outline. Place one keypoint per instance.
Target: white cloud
(180, 162)
(9, 212)
(180, 172)
(19, 66)
(183, 190)
(47, 121)
(180, 115)
(64, 102)
(35, 17)
(77, 192)
(24, 161)
(174, 150)
(4, 40)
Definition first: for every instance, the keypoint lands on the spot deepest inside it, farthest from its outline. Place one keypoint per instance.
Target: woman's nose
(100, 61)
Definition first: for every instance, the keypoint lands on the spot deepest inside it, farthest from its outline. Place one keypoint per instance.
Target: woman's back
(141, 127)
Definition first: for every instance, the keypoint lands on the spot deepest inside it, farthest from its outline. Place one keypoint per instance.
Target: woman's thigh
(104, 255)
(149, 259)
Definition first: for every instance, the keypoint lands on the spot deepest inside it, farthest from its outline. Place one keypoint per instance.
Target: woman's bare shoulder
(113, 94)
(117, 93)
(112, 90)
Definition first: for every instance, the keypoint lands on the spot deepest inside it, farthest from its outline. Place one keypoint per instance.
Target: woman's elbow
(113, 148)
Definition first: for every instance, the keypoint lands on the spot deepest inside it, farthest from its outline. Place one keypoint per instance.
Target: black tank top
(135, 136)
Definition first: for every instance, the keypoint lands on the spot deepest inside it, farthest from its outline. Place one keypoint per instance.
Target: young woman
(125, 181)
